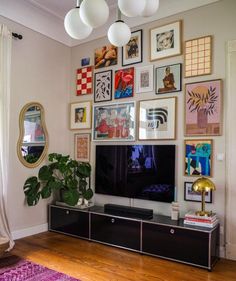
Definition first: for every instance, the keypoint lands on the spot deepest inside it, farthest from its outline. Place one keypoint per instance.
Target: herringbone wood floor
(90, 261)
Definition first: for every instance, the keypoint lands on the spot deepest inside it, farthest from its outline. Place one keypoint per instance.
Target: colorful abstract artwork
(84, 80)
(124, 83)
(82, 147)
(198, 157)
(105, 56)
(203, 108)
(103, 86)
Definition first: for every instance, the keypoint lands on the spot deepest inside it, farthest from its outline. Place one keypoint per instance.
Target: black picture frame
(195, 196)
(103, 84)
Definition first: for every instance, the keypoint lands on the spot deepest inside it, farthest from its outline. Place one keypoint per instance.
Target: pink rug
(15, 269)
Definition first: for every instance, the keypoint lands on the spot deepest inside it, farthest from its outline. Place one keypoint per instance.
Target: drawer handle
(112, 220)
(172, 231)
(67, 212)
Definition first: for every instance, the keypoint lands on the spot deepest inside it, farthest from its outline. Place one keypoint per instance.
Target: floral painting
(124, 83)
(203, 108)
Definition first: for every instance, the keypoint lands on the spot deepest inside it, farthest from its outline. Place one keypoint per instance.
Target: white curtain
(5, 72)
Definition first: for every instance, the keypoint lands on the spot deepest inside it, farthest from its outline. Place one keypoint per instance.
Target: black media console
(159, 236)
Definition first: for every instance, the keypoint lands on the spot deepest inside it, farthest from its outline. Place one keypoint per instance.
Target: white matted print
(144, 79)
(80, 115)
(191, 195)
(165, 41)
(103, 86)
(157, 119)
(82, 147)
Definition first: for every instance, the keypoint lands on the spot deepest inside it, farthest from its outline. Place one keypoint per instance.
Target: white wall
(217, 19)
(40, 73)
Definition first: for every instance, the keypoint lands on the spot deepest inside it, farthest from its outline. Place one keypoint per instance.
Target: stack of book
(206, 221)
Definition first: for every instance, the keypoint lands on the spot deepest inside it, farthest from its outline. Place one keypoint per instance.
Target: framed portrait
(191, 195)
(165, 41)
(132, 52)
(168, 79)
(198, 56)
(157, 119)
(124, 83)
(105, 56)
(80, 115)
(144, 79)
(82, 147)
(114, 122)
(198, 157)
(84, 81)
(203, 108)
(103, 86)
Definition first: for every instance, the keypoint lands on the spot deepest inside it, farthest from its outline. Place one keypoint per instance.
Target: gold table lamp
(203, 185)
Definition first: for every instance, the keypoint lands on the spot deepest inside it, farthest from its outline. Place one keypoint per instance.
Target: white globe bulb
(131, 8)
(150, 8)
(119, 34)
(94, 13)
(74, 26)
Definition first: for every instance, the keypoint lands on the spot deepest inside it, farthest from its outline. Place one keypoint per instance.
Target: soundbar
(131, 212)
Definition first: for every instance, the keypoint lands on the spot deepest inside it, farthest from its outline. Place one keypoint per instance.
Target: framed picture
(84, 80)
(157, 119)
(198, 157)
(168, 79)
(203, 108)
(144, 79)
(132, 52)
(85, 61)
(82, 147)
(105, 56)
(191, 195)
(80, 115)
(165, 41)
(114, 122)
(198, 56)
(103, 86)
(124, 83)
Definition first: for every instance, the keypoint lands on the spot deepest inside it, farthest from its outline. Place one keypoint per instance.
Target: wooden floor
(90, 261)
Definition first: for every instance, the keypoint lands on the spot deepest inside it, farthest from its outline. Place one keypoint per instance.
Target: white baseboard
(21, 233)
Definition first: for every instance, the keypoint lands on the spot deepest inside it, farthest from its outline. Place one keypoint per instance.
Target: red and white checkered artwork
(84, 80)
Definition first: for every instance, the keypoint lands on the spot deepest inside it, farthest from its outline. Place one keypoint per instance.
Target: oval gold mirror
(32, 144)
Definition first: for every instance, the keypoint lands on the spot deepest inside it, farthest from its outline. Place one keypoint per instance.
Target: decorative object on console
(157, 119)
(203, 185)
(84, 80)
(114, 122)
(144, 79)
(80, 115)
(62, 174)
(195, 196)
(82, 147)
(198, 157)
(198, 57)
(124, 83)
(168, 79)
(175, 211)
(203, 108)
(210, 220)
(103, 86)
(105, 56)
(132, 52)
(165, 41)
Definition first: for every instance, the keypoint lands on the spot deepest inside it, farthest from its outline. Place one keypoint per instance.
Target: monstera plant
(62, 174)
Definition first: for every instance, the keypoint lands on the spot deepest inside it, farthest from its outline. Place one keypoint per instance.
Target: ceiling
(47, 16)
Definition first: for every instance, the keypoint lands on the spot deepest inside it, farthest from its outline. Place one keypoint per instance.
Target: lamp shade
(119, 33)
(203, 184)
(94, 13)
(74, 25)
(151, 6)
(131, 8)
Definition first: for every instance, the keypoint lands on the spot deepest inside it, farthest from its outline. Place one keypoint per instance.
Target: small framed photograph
(157, 119)
(203, 108)
(198, 157)
(85, 61)
(191, 195)
(124, 83)
(165, 41)
(114, 122)
(103, 86)
(132, 52)
(84, 80)
(144, 79)
(82, 147)
(80, 115)
(168, 79)
(105, 56)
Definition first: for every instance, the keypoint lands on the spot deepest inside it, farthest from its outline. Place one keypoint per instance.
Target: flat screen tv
(136, 171)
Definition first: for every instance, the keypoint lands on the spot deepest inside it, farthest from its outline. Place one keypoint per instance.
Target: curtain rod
(16, 35)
